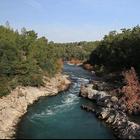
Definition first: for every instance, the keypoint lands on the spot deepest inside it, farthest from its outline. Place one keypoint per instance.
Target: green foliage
(25, 59)
(118, 51)
(76, 50)
(7, 84)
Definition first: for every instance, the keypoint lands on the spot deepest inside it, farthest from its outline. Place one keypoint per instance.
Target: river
(60, 117)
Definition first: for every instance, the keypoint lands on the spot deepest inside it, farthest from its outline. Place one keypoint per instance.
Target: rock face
(87, 91)
(111, 111)
(13, 106)
(87, 108)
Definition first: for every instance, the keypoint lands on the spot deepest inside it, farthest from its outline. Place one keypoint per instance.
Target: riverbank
(59, 117)
(15, 105)
(110, 110)
(75, 62)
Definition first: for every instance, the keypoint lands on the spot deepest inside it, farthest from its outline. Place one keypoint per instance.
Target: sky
(71, 20)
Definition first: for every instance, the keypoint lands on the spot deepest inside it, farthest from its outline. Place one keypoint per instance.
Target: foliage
(25, 59)
(131, 90)
(76, 50)
(118, 51)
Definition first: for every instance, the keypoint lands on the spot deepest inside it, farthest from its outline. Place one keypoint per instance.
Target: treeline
(118, 51)
(25, 59)
(76, 50)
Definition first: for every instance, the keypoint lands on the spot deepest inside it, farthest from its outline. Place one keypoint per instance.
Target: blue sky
(70, 20)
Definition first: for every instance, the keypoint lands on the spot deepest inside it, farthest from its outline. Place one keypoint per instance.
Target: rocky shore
(75, 62)
(14, 106)
(110, 110)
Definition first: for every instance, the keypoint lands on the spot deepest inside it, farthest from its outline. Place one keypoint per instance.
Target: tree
(131, 90)
(23, 31)
(25, 59)
(7, 24)
(118, 51)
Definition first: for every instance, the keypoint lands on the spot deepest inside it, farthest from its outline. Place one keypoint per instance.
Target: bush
(131, 90)
(25, 59)
(118, 50)
(100, 70)
(7, 84)
(31, 80)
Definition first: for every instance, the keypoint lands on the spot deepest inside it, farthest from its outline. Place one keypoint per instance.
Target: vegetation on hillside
(76, 50)
(118, 51)
(25, 59)
(131, 90)
(118, 54)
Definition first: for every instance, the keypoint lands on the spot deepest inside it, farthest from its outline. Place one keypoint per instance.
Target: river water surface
(61, 116)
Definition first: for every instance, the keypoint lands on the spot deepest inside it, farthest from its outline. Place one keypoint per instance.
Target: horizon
(71, 21)
(19, 30)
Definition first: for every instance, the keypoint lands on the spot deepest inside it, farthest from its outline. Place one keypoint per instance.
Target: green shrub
(25, 59)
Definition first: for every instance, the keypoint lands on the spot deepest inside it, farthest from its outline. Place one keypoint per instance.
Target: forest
(76, 50)
(25, 58)
(118, 51)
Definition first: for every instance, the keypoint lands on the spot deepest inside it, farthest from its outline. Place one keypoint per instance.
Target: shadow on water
(61, 116)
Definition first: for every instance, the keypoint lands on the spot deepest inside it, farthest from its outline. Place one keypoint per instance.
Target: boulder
(87, 91)
(101, 95)
(109, 105)
(88, 108)
(114, 99)
(113, 111)
(104, 113)
(110, 118)
(123, 108)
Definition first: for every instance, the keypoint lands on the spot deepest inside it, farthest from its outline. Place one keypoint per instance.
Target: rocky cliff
(111, 111)
(14, 106)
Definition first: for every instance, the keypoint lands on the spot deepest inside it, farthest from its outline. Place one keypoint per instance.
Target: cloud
(34, 4)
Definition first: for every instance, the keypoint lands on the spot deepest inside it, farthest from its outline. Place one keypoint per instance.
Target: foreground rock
(111, 111)
(15, 105)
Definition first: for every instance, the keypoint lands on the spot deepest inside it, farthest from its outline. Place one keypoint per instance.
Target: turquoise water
(60, 117)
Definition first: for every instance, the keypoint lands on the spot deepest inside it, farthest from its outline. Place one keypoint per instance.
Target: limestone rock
(113, 111)
(104, 113)
(13, 106)
(114, 99)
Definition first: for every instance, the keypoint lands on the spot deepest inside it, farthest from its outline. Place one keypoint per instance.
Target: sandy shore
(14, 106)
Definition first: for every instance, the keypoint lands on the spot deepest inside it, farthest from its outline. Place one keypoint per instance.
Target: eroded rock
(113, 111)
(15, 105)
